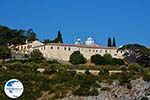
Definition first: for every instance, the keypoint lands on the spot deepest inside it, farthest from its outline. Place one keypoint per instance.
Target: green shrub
(116, 61)
(134, 66)
(123, 68)
(146, 77)
(144, 98)
(99, 60)
(77, 58)
(36, 55)
(124, 78)
(105, 89)
(103, 71)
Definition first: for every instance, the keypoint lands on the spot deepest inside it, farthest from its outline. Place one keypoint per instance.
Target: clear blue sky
(127, 20)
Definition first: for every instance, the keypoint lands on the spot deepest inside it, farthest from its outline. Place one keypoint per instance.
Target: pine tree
(114, 42)
(109, 44)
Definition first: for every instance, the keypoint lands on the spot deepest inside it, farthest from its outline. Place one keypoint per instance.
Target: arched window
(69, 49)
(57, 48)
(65, 48)
(100, 51)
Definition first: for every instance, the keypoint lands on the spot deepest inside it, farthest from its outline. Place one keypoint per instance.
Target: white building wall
(63, 52)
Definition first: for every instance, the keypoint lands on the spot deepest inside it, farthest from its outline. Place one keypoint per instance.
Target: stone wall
(63, 51)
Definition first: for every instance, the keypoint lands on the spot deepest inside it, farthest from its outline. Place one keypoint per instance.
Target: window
(69, 49)
(100, 51)
(106, 51)
(44, 48)
(57, 48)
(51, 47)
(93, 50)
(65, 48)
(89, 50)
(24, 47)
(96, 50)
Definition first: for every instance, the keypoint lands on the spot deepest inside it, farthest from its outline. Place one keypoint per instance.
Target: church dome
(78, 41)
(89, 41)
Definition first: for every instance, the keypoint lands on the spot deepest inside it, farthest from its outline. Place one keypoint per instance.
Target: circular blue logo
(13, 88)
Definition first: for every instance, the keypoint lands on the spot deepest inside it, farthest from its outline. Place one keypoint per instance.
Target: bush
(134, 67)
(123, 68)
(36, 55)
(105, 89)
(99, 60)
(15, 65)
(103, 71)
(81, 91)
(144, 98)
(117, 61)
(146, 77)
(124, 78)
(108, 56)
(77, 58)
(106, 60)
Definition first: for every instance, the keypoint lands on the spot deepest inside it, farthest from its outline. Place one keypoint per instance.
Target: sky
(126, 20)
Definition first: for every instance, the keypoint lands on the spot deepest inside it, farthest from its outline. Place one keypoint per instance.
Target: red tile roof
(79, 45)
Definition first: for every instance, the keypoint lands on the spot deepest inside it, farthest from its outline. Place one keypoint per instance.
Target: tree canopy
(106, 60)
(109, 44)
(36, 55)
(31, 36)
(136, 53)
(58, 39)
(77, 58)
(4, 52)
(114, 42)
(13, 36)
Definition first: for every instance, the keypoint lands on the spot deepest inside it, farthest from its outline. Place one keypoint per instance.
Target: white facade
(63, 51)
(28, 47)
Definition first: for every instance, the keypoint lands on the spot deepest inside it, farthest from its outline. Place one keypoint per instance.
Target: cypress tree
(59, 38)
(109, 42)
(114, 42)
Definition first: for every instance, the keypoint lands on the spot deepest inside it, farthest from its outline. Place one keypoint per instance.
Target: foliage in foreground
(63, 82)
(77, 58)
(106, 60)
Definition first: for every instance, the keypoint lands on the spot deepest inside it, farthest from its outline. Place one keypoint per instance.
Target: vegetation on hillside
(13, 36)
(136, 53)
(77, 58)
(106, 60)
(59, 82)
